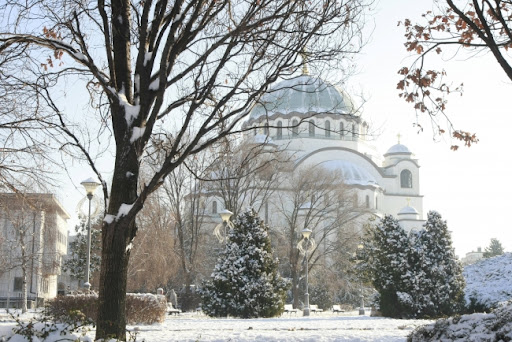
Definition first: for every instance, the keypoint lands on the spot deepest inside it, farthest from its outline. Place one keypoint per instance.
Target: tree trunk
(24, 289)
(117, 234)
(111, 320)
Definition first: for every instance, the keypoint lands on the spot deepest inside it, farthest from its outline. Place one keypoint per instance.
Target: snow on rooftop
(398, 148)
(352, 174)
(408, 211)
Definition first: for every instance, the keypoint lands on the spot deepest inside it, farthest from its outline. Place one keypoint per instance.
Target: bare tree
(317, 199)
(472, 28)
(153, 261)
(246, 173)
(187, 71)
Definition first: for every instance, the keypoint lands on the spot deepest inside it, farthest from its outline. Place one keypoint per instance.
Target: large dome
(303, 94)
(352, 174)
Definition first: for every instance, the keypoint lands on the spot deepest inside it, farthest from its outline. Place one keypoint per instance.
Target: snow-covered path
(316, 328)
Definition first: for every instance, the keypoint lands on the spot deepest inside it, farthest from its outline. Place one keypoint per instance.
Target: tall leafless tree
(187, 71)
(246, 173)
(317, 199)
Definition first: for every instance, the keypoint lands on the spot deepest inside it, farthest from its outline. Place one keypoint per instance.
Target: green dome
(303, 94)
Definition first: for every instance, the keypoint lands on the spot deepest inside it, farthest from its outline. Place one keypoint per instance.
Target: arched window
(279, 130)
(376, 202)
(311, 128)
(295, 128)
(266, 129)
(367, 201)
(214, 207)
(342, 130)
(327, 128)
(406, 179)
(353, 132)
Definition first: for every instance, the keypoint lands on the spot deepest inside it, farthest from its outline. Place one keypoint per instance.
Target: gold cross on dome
(408, 201)
(398, 136)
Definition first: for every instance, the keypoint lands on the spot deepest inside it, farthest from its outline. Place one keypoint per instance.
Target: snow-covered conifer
(387, 262)
(245, 282)
(440, 290)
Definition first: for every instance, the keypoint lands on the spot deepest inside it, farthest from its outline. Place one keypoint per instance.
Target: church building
(318, 124)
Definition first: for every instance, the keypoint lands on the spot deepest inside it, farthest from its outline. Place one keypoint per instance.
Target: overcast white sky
(470, 187)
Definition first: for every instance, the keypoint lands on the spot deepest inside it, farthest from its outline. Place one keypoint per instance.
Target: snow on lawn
(315, 328)
(490, 280)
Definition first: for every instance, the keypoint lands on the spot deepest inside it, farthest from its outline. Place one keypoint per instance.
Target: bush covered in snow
(141, 308)
(477, 327)
(245, 282)
(488, 282)
(415, 275)
(72, 327)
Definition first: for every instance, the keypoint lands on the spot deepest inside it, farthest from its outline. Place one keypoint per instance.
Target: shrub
(475, 305)
(495, 326)
(145, 308)
(61, 307)
(320, 296)
(141, 308)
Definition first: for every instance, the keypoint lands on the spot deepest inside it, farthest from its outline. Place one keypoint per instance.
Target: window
(406, 179)
(377, 203)
(311, 128)
(295, 128)
(327, 128)
(266, 211)
(342, 130)
(18, 284)
(353, 131)
(214, 207)
(279, 130)
(266, 129)
(367, 201)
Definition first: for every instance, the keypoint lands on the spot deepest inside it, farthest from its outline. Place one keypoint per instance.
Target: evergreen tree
(75, 265)
(494, 249)
(386, 262)
(439, 290)
(245, 282)
(416, 275)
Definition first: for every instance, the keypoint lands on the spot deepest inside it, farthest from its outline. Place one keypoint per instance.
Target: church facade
(318, 125)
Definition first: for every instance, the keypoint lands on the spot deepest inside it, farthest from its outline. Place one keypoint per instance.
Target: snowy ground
(315, 328)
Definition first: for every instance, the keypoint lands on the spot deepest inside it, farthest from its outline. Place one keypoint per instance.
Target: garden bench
(172, 310)
(314, 308)
(288, 308)
(337, 309)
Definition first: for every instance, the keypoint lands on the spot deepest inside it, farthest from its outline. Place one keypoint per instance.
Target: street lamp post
(306, 233)
(90, 186)
(361, 308)
(225, 215)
